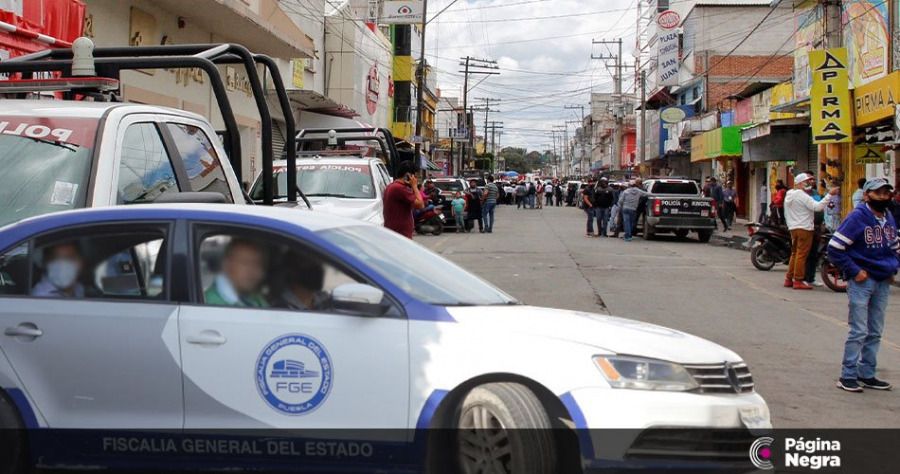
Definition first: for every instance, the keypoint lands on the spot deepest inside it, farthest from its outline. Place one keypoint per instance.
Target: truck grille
(722, 378)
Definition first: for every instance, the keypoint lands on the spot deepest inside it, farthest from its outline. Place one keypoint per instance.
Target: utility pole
(618, 104)
(487, 110)
(494, 126)
(420, 81)
(583, 152)
(643, 115)
(473, 66)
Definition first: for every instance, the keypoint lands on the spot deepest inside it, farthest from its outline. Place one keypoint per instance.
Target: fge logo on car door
(294, 374)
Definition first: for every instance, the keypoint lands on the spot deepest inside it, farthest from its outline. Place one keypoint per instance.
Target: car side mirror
(358, 298)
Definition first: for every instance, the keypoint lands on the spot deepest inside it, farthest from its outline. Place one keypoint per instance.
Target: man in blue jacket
(867, 251)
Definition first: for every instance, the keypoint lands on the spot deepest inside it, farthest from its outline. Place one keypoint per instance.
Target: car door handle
(207, 338)
(24, 330)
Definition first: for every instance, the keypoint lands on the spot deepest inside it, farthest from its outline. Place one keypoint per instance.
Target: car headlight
(638, 373)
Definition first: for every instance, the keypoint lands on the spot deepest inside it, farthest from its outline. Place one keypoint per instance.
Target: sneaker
(817, 284)
(849, 385)
(875, 384)
(788, 282)
(802, 285)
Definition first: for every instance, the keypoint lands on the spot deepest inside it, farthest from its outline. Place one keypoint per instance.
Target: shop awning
(797, 106)
(724, 142)
(312, 101)
(754, 88)
(658, 99)
(264, 28)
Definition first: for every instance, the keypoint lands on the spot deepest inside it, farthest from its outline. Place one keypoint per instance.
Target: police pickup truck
(676, 205)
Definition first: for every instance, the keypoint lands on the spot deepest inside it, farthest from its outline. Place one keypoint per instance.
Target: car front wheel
(504, 428)
(12, 438)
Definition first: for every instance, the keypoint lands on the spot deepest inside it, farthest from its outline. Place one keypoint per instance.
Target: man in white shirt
(799, 212)
(763, 199)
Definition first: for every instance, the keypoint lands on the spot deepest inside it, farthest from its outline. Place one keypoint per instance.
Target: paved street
(792, 340)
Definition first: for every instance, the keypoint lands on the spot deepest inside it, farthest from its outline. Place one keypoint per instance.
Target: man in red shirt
(400, 199)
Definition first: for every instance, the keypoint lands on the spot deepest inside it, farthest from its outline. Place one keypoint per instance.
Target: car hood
(613, 334)
(368, 210)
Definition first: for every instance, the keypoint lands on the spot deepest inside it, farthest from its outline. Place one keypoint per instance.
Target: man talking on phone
(400, 199)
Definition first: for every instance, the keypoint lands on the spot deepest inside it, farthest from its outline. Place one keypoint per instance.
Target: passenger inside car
(62, 265)
(303, 280)
(240, 281)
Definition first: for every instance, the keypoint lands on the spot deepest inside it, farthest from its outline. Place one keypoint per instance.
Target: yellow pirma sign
(866, 154)
(829, 97)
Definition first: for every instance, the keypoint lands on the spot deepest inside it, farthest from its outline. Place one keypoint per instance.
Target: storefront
(721, 150)
(38, 24)
(772, 150)
(875, 106)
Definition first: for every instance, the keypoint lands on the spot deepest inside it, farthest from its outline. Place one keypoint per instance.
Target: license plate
(704, 213)
(754, 418)
(674, 211)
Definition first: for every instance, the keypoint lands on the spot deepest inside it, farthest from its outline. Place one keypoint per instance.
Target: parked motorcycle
(770, 244)
(430, 221)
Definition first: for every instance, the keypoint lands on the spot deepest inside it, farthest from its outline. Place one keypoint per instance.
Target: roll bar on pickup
(110, 61)
(315, 139)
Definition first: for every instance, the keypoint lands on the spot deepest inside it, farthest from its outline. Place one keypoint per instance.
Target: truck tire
(503, 428)
(649, 230)
(704, 235)
(12, 438)
(681, 233)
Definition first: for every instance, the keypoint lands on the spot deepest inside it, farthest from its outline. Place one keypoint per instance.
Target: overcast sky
(543, 48)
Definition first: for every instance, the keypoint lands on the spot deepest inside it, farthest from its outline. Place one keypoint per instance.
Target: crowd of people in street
(535, 194)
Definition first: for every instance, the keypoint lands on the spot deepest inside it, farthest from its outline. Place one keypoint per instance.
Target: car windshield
(46, 164)
(449, 185)
(352, 181)
(661, 187)
(423, 274)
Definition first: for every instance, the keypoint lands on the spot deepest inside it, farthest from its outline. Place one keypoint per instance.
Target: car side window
(14, 271)
(145, 171)
(204, 170)
(109, 264)
(258, 270)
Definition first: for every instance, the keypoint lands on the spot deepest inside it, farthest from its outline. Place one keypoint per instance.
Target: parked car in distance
(346, 186)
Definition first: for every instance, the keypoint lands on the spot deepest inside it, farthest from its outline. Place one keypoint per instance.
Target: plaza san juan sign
(667, 47)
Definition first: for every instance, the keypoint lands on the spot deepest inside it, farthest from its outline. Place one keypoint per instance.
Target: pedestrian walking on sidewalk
(604, 198)
(629, 201)
(867, 251)
(729, 204)
(718, 196)
(488, 203)
(799, 212)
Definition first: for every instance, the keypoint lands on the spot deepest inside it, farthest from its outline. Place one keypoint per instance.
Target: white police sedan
(142, 327)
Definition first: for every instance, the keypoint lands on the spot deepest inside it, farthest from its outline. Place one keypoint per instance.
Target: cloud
(545, 62)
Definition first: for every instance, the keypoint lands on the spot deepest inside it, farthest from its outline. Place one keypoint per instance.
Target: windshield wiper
(60, 144)
(336, 195)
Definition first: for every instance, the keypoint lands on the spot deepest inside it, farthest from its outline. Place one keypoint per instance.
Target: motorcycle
(430, 220)
(772, 244)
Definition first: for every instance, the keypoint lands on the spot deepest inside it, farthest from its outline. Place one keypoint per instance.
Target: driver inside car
(62, 268)
(303, 279)
(240, 281)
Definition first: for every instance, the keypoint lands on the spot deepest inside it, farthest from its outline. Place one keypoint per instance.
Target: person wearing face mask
(866, 249)
(799, 212)
(63, 264)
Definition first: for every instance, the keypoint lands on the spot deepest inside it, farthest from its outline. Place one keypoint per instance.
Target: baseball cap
(802, 177)
(875, 184)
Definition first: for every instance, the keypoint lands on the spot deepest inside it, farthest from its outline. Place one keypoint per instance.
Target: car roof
(80, 109)
(311, 220)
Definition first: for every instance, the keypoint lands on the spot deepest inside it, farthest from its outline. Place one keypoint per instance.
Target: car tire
(13, 452)
(649, 231)
(504, 428)
(681, 233)
(704, 235)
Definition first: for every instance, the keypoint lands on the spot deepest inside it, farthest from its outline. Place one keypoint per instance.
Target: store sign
(672, 115)
(830, 96)
(373, 86)
(668, 19)
(868, 154)
(298, 72)
(235, 81)
(402, 13)
(876, 100)
(667, 53)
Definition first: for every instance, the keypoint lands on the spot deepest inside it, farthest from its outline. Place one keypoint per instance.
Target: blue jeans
(603, 215)
(488, 213)
(629, 217)
(460, 222)
(868, 302)
(591, 215)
